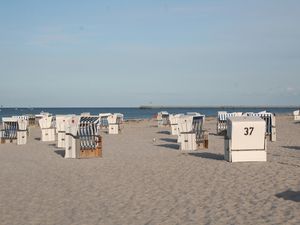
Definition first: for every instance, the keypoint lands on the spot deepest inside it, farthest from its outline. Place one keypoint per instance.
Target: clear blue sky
(128, 53)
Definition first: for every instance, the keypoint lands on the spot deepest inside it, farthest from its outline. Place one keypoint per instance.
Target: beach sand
(142, 181)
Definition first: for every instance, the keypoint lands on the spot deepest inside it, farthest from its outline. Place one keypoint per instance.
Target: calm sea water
(137, 113)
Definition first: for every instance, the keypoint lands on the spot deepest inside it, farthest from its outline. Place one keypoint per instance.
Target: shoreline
(218, 107)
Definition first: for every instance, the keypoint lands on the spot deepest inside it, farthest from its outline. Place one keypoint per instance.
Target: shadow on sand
(37, 139)
(52, 145)
(170, 146)
(214, 134)
(172, 140)
(164, 132)
(207, 155)
(289, 195)
(60, 152)
(292, 147)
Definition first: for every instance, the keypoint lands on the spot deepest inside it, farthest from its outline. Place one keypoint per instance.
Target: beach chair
(296, 115)
(47, 125)
(31, 120)
(114, 123)
(60, 125)
(40, 116)
(174, 123)
(163, 119)
(222, 120)
(2, 140)
(83, 138)
(245, 140)
(14, 130)
(270, 120)
(192, 135)
(104, 121)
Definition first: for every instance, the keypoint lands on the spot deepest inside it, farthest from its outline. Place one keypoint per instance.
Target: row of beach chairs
(78, 135)
(187, 127)
(245, 138)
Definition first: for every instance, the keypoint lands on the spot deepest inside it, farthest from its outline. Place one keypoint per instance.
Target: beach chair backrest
(173, 119)
(268, 117)
(23, 124)
(88, 130)
(223, 116)
(85, 114)
(296, 113)
(60, 122)
(198, 123)
(10, 127)
(185, 124)
(116, 118)
(46, 122)
(103, 119)
(72, 125)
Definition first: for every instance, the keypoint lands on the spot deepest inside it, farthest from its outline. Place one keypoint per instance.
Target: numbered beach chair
(245, 140)
(270, 123)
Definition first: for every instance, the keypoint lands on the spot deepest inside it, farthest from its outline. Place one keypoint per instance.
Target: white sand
(139, 181)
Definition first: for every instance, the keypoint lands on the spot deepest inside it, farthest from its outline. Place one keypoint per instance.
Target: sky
(129, 53)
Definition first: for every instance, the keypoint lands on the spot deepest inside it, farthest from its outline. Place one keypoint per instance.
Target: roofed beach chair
(14, 130)
(60, 125)
(31, 120)
(192, 135)
(114, 123)
(104, 120)
(296, 115)
(40, 116)
(47, 125)
(83, 138)
(245, 140)
(174, 123)
(163, 119)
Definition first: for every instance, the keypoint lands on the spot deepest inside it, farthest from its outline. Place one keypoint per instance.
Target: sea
(141, 112)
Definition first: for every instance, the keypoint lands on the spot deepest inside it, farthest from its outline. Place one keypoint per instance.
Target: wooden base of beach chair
(92, 153)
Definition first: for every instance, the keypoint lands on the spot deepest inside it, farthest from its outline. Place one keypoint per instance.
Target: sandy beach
(142, 181)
